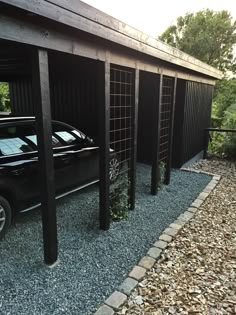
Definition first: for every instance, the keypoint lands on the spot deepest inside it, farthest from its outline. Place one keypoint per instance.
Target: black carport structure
(144, 99)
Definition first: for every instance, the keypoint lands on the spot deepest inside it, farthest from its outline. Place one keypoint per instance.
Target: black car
(76, 160)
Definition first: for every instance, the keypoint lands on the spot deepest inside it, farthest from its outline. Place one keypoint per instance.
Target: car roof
(16, 118)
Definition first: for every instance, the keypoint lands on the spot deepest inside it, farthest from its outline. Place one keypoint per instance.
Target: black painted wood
(170, 144)
(148, 98)
(104, 131)
(156, 141)
(192, 117)
(197, 113)
(177, 152)
(221, 130)
(134, 144)
(73, 92)
(41, 96)
(111, 30)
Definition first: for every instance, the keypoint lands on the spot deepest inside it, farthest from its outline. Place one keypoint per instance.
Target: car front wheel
(5, 216)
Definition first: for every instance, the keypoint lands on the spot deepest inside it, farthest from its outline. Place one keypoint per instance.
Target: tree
(224, 98)
(4, 97)
(207, 35)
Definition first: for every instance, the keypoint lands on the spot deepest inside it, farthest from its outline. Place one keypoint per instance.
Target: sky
(154, 16)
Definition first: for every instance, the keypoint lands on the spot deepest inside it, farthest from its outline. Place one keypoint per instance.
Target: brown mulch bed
(197, 272)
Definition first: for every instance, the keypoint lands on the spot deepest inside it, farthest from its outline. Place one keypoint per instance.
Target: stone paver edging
(118, 298)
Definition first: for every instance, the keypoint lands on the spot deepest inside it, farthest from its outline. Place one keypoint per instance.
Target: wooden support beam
(20, 29)
(170, 140)
(41, 96)
(134, 142)
(104, 155)
(156, 141)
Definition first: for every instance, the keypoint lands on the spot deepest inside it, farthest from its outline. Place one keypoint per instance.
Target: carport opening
(74, 96)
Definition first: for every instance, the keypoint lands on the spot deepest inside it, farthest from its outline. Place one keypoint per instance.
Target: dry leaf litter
(196, 273)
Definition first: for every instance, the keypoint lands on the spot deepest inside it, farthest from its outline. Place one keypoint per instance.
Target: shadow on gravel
(93, 263)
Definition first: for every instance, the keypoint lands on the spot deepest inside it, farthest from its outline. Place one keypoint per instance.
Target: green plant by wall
(162, 170)
(119, 200)
(4, 97)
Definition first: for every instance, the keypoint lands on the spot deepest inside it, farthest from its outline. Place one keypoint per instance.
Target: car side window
(21, 138)
(55, 141)
(68, 135)
(13, 141)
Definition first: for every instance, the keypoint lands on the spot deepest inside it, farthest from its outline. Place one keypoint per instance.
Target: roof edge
(102, 25)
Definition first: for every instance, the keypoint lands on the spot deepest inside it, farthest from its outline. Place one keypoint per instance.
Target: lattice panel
(166, 118)
(121, 122)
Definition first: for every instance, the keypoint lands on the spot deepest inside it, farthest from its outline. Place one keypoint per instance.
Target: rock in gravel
(138, 300)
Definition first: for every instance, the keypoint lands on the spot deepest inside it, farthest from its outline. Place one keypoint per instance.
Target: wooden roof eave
(85, 18)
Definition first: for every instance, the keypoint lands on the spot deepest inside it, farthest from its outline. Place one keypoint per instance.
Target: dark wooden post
(104, 151)
(206, 143)
(169, 161)
(156, 141)
(134, 144)
(41, 95)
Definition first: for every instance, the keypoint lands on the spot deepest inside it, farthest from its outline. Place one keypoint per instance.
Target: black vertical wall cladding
(74, 99)
(21, 96)
(148, 98)
(74, 92)
(192, 116)
(177, 152)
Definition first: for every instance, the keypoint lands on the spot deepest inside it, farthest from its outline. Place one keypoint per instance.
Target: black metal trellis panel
(166, 124)
(122, 116)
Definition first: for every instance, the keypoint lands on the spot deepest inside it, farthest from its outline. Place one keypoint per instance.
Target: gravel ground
(197, 272)
(93, 263)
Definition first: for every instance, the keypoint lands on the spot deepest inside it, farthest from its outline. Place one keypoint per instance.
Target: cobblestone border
(119, 297)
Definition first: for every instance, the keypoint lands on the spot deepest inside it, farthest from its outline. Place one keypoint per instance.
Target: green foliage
(4, 97)
(211, 37)
(119, 200)
(206, 35)
(224, 116)
(162, 170)
(225, 96)
(224, 144)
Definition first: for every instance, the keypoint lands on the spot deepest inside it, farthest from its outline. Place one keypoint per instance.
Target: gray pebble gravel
(92, 263)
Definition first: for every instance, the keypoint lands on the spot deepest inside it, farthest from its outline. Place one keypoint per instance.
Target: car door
(76, 161)
(18, 162)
